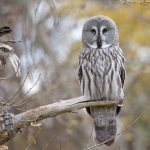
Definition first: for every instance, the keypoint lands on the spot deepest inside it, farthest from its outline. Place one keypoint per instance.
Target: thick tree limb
(51, 110)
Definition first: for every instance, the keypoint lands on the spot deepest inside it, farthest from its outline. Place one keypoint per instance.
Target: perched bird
(102, 74)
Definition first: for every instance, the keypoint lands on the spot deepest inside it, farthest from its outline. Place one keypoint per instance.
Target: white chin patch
(105, 45)
(94, 45)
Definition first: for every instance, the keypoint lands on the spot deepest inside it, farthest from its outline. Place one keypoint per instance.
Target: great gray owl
(102, 74)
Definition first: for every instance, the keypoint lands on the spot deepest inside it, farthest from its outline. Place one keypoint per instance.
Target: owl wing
(122, 77)
(122, 68)
(80, 75)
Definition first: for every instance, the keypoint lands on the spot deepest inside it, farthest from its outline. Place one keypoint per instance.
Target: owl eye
(93, 31)
(105, 30)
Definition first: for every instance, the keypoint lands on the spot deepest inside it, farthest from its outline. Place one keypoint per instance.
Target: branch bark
(51, 110)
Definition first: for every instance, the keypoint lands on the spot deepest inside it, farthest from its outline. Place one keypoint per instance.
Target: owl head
(99, 32)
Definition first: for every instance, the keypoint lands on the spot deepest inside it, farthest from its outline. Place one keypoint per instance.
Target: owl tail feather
(105, 124)
(105, 135)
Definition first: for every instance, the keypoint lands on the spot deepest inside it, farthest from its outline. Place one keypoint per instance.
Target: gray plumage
(102, 73)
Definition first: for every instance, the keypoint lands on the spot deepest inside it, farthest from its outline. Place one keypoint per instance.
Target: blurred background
(48, 35)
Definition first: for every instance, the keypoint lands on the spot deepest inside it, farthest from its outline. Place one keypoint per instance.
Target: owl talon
(120, 105)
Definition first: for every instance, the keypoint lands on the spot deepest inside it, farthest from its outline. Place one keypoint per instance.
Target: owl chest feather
(101, 79)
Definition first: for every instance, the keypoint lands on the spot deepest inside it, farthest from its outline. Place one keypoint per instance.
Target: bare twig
(4, 30)
(144, 2)
(10, 41)
(9, 101)
(17, 102)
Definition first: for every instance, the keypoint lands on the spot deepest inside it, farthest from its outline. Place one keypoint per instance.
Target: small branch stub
(7, 130)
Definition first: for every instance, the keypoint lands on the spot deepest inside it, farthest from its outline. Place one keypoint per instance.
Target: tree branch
(51, 110)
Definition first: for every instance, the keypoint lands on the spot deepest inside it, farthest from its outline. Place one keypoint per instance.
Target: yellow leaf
(33, 140)
(3, 147)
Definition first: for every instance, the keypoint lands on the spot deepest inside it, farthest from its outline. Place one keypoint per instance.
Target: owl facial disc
(99, 32)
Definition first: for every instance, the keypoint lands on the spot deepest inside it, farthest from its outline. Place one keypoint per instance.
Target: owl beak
(99, 43)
